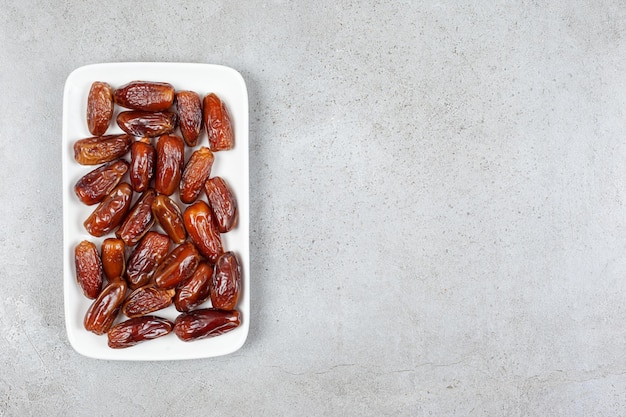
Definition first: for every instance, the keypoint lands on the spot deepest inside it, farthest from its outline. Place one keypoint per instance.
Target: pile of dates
(139, 179)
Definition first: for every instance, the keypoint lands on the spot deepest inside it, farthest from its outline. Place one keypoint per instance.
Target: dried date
(217, 123)
(147, 299)
(195, 290)
(103, 311)
(139, 220)
(147, 124)
(100, 149)
(145, 259)
(177, 266)
(202, 230)
(142, 161)
(189, 116)
(99, 108)
(226, 282)
(145, 95)
(195, 174)
(88, 268)
(94, 186)
(203, 323)
(137, 330)
(222, 202)
(113, 258)
(170, 151)
(170, 218)
(110, 212)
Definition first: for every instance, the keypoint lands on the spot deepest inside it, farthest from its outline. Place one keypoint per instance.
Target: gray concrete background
(437, 207)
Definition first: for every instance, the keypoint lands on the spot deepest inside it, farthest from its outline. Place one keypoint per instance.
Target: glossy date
(189, 116)
(99, 108)
(195, 290)
(170, 218)
(203, 323)
(137, 330)
(170, 151)
(147, 299)
(92, 187)
(177, 266)
(138, 221)
(202, 230)
(110, 212)
(222, 202)
(145, 95)
(103, 311)
(195, 174)
(88, 268)
(147, 124)
(145, 259)
(100, 149)
(217, 123)
(226, 282)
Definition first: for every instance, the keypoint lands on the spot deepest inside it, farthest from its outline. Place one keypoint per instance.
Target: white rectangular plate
(232, 165)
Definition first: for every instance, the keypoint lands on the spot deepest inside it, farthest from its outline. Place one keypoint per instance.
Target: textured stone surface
(437, 207)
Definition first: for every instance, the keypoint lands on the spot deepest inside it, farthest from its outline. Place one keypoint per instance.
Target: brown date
(195, 174)
(203, 323)
(139, 220)
(145, 259)
(145, 123)
(195, 289)
(226, 282)
(147, 299)
(110, 212)
(189, 116)
(177, 266)
(170, 218)
(136, 330)
(217, 123)
(103, 311)
(100, 149)
(170, 151)
(222, 202)
(202, 230)
(142, 161)
(113, 258)
(145, 95)
(88, 268)
(99, 108)
(97, 184)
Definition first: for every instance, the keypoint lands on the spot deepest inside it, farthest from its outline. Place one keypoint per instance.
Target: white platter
(232, 165)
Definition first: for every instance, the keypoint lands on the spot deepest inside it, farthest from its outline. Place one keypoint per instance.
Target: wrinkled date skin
(203, 323)
(97, 184)
(195, 174)
(170, 218)
(195, 290)
(145, 300)
(147, 124)
(99, 108)
(88, 268)
(170, 150)
(110, 212)
(226, 282)
(113, 258)
(217, 123)
(136, 330)
(145, 259)
(222, 202)
(202, 230)
(104, 309)
(189, 116)
(100, 149)
(145, 95)
(139, 220)
(177, 266)
(142, 161)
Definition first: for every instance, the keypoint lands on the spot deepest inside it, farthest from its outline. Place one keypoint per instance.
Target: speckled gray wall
(437, 207)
